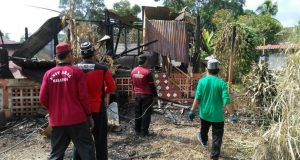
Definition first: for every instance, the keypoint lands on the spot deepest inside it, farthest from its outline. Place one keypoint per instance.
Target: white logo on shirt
(55, 79)
(86, 66)
(138, 75)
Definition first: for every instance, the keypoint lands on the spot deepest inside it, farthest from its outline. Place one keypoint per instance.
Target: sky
(15, 15)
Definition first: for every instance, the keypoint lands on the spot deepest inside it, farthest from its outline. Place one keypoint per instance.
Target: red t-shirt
(142, 79)
(99, 82)
(64, 93)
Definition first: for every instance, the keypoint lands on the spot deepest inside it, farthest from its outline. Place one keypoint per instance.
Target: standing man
(211, 96)
(64, 93)
(100, 83)
(145, 93)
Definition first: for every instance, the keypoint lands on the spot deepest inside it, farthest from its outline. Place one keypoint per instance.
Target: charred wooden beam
(118, 38)
(125, 52)
(40, 38)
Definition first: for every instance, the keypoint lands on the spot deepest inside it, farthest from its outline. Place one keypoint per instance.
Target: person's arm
(152, 85)
(44, 92)
(229, 108)
(109, 82)
(233, 118)
(83, 92)
(226, 99)
(195, 105)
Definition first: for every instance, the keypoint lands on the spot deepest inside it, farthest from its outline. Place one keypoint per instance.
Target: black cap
(86, 49)
(142, 59)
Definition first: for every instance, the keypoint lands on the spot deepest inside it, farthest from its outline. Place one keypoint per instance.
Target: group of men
(75, 95)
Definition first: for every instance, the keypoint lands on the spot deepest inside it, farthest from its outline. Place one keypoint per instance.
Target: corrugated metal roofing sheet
(279, 46)
(171, 36)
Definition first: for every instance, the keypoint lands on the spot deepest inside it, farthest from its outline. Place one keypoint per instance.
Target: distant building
(47, 54)
(273, 54)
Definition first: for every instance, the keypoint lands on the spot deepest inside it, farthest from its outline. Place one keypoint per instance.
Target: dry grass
(84, 31)
(260, 84)
(281, 140)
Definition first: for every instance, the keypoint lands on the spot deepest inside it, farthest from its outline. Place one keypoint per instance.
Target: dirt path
(172, 141)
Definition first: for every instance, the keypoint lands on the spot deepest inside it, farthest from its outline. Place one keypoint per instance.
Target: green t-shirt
(212, 93)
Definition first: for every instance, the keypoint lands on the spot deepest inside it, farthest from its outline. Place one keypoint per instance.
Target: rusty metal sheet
(172, 38)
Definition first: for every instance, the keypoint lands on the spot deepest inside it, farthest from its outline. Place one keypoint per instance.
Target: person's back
(140, 79)
(64, 93)
(212, 91)
(210, 98)
(99, 82)
(145, 93)
(63, 84)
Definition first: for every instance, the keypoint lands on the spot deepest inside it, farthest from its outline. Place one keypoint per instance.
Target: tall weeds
(282, 140)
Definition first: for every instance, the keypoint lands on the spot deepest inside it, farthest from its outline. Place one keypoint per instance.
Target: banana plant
(208, 46)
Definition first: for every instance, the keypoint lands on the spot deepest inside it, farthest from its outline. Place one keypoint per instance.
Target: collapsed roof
(172, 30)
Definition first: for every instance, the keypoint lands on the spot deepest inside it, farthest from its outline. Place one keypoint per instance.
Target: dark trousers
(100, 135)
(143, 112)
(217, 133)
(80, 135)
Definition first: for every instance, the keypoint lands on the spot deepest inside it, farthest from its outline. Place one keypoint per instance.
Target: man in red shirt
(64, 94)
(100, 83)
(145, 93)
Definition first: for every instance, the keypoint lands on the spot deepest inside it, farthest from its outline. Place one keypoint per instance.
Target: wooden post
(196, 57)
(118, 38)
(125, 37)
(144, 26)
(232, 52)
(109, 31)
(26, 33)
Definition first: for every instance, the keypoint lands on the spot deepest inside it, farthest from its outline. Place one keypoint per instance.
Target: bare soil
(171, 140)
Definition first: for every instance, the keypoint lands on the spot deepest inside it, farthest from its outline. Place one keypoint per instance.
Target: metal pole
(197, 46)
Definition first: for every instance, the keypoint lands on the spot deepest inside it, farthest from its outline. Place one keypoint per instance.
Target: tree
(268, 8)
(290, 34)
(244, 51)
(265, 26)
(249, 12)
(206, 8)
(178, 5)
(123, 8)
(86, 9)
(210, 7)
(221, 18)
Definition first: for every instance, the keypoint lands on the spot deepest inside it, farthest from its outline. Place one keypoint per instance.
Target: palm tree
(268, 8)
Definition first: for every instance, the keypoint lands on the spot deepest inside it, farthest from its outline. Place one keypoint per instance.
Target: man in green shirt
(210, 98)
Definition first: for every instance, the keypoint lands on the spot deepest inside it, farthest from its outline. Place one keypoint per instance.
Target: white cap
(209, 57)
(213, 64)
